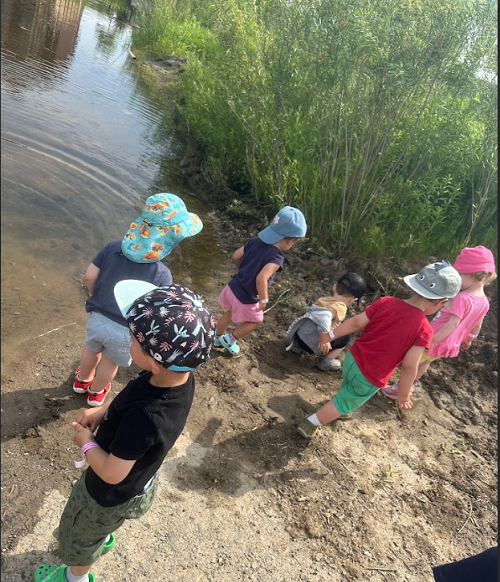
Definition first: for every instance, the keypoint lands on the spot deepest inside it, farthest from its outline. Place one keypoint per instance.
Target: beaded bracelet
(86, 447)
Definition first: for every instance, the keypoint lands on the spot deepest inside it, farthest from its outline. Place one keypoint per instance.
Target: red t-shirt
(394, 327)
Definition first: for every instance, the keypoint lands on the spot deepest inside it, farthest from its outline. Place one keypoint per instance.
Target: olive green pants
(85, 524)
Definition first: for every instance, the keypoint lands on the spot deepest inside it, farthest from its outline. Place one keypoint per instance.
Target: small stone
(16, 313)
(33, 277)
(318, 557)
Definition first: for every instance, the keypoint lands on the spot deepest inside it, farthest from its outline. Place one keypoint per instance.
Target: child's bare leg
(422, 368)
(106, 371)
(332, 354)
(223, 323)
(328, 413)
(88, 364)
(245, 328)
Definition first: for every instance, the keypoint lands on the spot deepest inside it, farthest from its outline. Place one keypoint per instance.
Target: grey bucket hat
(435, 281)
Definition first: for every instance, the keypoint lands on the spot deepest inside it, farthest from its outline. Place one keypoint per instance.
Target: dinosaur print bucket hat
(163, 224)
(172, 324)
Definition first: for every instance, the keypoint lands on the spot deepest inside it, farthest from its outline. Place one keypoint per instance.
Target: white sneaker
(329, 365)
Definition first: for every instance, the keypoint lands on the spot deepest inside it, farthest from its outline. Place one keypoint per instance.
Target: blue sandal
(232, 347)
(51, 573)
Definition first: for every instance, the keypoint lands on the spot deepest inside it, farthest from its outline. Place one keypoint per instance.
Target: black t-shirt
(479, 568)
(142, 423)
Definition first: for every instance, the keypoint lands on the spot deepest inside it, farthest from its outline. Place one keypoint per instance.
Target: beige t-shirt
(338, 308)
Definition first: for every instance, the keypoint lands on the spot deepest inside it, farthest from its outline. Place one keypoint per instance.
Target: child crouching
(325, 315)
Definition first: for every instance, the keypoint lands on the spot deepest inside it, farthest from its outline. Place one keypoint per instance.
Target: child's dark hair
(351, 285)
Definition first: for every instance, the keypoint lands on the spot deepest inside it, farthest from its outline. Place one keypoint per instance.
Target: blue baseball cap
(288, 223)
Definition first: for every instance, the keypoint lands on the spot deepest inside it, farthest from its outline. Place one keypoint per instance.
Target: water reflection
(78, 159)
(40, 29)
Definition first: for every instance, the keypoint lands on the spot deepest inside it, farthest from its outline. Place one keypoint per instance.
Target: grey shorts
(108, 337)
(85, 524)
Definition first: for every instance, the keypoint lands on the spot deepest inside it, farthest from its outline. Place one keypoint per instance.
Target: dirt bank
(381, 497)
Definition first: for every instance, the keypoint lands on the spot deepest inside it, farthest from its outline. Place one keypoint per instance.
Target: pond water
(85, 139)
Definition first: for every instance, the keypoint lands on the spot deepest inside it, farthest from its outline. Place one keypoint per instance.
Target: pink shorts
(240, 312)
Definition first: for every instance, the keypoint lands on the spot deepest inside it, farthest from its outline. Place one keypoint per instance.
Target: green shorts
(85, 524)
(355, 389)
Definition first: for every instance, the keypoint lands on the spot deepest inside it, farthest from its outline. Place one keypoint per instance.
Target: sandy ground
(381, 497)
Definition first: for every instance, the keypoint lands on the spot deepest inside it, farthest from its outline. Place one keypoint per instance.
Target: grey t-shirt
(114, 267)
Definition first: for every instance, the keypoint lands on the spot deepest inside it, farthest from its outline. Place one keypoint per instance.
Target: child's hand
(91, 418)
(466, 344)
(82, 435)
(324, 338)
(405, 404)
(324, 349)
(261, 306)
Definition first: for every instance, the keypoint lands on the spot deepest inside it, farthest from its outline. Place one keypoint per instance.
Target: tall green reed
(377, 118)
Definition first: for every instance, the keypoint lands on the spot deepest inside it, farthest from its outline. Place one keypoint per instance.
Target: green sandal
(50, 573)
(109, 545)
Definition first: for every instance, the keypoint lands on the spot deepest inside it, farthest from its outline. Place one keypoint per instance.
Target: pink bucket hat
(475, 260)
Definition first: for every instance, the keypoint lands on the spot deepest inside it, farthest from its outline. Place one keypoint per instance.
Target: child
(172, 333)
(327, 313)
(395, 331)
(458, 324)
(164, 222)
(245, 296)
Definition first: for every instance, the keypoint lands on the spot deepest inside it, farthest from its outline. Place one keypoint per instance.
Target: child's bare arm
(409, 368)
(91, 275)
(109, 468)
(351, 325)
(474, 332)
(262, 283)
(449, 327)
(237, 256)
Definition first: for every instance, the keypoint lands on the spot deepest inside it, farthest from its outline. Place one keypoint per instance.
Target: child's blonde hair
(485, 277)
